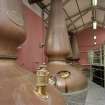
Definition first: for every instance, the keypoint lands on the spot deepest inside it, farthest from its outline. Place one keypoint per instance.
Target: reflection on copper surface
(64, 74)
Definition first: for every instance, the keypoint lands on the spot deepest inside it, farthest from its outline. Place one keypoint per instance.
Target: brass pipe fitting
(42, 78)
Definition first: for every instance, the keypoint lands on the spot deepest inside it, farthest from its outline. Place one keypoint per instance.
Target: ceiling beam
(84, 26)
(82, 13)
(70, 19)
(79, 11)
(100, 8)
(77, 19)
(43, 6)
(85, 10)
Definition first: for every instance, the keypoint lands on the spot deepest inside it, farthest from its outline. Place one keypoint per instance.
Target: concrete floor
(96, 95)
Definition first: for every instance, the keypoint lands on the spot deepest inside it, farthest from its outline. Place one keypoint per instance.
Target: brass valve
(42, 78)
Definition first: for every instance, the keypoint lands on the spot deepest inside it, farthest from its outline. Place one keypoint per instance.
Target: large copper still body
(17, 86)
(67, 78)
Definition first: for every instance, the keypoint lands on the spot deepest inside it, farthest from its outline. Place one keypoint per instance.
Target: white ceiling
(77, 22)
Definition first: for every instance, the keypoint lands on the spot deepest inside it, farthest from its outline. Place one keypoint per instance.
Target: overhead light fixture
(94, 2)
(94, 24)
(95, 43)
(95, 37)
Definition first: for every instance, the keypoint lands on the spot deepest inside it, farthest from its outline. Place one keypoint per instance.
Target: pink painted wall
(86, 42)
(30, 55)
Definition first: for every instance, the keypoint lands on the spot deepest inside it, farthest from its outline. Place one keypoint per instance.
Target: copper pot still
(74, 60)
(17, 85)
(65, 77)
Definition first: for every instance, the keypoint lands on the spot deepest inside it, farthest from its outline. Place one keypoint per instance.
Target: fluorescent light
(95, 43)
(95, 37)
(94, 25)
(94, 2)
